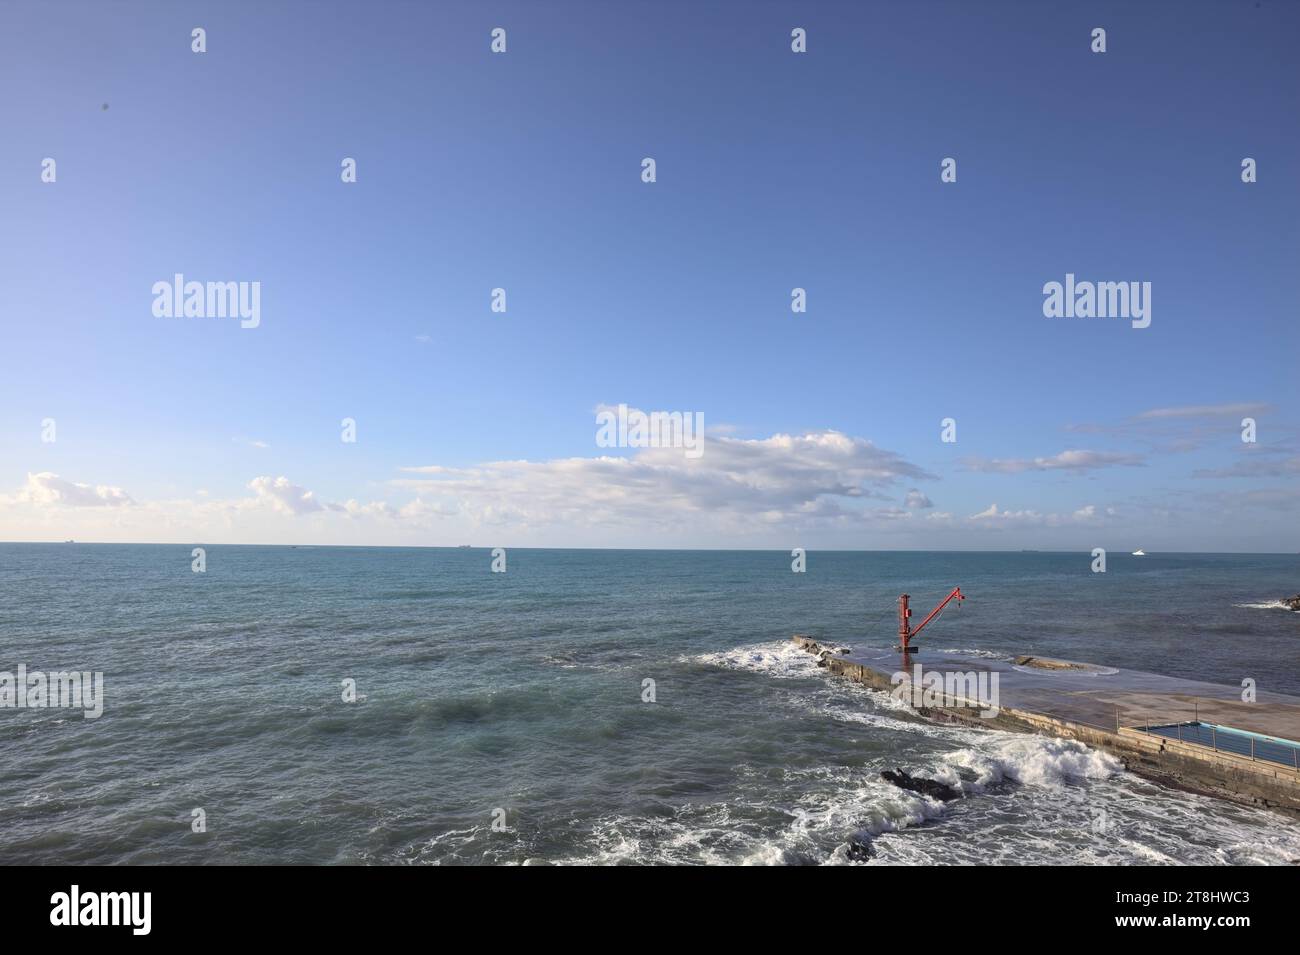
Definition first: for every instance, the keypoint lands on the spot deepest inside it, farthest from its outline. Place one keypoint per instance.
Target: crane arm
(956, 592)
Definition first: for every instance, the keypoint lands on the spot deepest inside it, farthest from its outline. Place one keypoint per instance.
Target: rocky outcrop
(1045, 663)
(926, 787)
(825, 652)
(1292, 603)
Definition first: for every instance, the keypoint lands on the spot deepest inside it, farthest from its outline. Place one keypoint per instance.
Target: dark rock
(859, 849)
(926, 787)
(1292, 603)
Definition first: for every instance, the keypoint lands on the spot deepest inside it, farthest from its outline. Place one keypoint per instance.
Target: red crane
(905, 631)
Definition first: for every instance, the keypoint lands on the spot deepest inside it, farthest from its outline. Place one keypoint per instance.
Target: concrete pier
(1104, 707)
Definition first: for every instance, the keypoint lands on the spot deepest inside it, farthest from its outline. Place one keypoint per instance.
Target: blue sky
(775, 170)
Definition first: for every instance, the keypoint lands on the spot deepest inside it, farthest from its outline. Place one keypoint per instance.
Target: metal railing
(1176, 726)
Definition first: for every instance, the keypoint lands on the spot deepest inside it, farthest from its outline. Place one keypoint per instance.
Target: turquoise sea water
(522, 692)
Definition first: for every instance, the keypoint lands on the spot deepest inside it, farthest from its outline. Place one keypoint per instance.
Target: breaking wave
(1027, 760)
(1025, 798)
(779, 658)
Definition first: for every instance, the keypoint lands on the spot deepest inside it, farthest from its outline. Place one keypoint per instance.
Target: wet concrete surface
(1093, 695)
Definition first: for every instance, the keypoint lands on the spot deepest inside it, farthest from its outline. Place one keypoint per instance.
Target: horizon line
(669, 550)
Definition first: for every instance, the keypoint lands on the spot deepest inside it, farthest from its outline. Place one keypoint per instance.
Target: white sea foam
(1266, 605)
(860, 813)
(1026, 799)
(838, 805)
(1031, 761)
(978, 654)
(869, 715)
(1075, 806)
(779, 658)
(1090, 670)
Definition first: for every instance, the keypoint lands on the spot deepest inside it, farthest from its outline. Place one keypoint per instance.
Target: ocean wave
(1266, 605)
(605, 661)
(1027, 799)
(779, 658)
(872, 717)
(1028, 760)
(839, 808)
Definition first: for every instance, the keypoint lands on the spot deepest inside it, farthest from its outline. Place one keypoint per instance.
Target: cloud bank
(823, 476)
(1065, 461)
(46, 489)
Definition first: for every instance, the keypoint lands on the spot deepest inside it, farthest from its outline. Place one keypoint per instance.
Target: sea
(389, 706)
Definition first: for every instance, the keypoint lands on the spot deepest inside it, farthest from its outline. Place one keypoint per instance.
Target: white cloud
(993, 516)
(50, 508)
(1065, 461)
(823, 476)
(1178, 429)
(917, 501)
(284, 496)
(1207, 411)
(355, 508)
(48, 489)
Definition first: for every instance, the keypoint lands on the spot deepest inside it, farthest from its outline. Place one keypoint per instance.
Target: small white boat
(1139, 553)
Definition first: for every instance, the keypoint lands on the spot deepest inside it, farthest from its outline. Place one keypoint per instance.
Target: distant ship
(464, 546)
(1139, 552)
